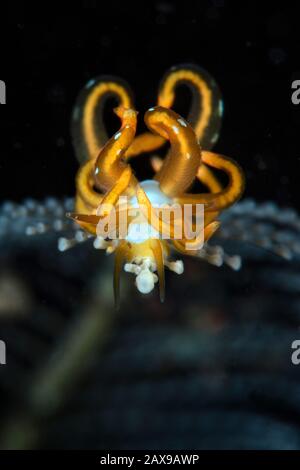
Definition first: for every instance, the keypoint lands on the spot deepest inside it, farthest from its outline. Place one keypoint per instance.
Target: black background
(251, 48)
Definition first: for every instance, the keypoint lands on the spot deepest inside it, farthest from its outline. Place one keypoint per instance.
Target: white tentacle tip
(143, 268)
(234, 262)
(145, 281)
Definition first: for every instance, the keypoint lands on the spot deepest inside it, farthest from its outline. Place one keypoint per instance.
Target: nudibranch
(106, 177)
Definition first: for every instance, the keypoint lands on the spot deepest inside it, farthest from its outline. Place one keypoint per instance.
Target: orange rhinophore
(142, 222)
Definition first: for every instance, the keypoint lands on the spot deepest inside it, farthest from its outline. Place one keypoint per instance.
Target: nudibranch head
(128, 217)
(139, 230)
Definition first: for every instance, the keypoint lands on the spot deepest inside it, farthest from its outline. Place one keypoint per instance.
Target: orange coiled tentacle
(206, 108)
(222, 199)
(110, 164)
(181, 165)
(87, 199)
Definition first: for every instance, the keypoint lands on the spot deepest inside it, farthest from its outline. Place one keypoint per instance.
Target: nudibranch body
(109, 194)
